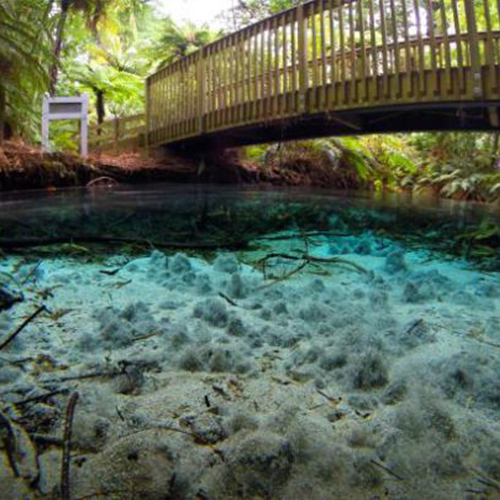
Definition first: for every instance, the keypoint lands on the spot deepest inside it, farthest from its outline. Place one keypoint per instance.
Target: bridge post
(303, 59)
(477, 84)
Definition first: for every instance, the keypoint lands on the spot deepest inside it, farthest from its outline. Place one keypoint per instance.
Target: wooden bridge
(332, 67)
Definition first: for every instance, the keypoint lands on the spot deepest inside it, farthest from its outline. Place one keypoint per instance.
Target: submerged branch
(66, 455)
(43, 242)
(320, 260)
(13, 336)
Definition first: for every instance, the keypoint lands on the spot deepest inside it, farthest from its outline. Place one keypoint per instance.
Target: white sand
(305, 389)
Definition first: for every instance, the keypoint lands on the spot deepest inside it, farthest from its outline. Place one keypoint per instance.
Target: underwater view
(198, 343)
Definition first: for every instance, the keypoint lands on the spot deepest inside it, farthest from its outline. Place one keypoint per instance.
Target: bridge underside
(474, 116)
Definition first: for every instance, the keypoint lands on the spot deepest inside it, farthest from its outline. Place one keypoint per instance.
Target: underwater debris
(8, 298)
(23, 325)
(66, 451)
(101, 240)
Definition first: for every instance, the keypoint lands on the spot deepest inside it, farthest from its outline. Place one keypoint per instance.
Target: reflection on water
(248, 344)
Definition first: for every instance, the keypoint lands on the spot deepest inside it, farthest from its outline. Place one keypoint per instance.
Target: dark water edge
(232, 216)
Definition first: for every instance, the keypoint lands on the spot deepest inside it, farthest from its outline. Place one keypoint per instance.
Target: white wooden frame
(66, 108)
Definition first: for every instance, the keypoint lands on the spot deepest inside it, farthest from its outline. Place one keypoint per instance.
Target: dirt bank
(26, 167)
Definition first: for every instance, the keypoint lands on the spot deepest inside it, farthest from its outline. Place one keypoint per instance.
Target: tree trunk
(58, 43)
(494, 152)
(100, 107)
(3, 105)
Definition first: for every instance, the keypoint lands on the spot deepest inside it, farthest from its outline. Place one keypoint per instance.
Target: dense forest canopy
(106, 48)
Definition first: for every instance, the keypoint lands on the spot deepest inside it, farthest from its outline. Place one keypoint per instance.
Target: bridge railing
(327, 56)
(118, 135)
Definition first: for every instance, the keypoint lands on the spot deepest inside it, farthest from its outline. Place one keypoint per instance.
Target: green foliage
(459, 165)
(175, 42)
(24, 55)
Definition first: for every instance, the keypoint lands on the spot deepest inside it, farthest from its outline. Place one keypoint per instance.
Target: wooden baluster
(343, 69)
(294, 106)
(284, 97)
(263, 71)
(374, 52)
(202, 92)
(385, 52)
(211, 77)
(164, 108)
(174, 101)
(181, 106)
(277, 70)
(460, 56)
(178, 98)
(408, 59)
(215, 83)
(473, 41)
(353, 84)
(173, 104)
(147, 130)
(362, 45)
(333, 56)
(303, 59)
(185, 96)
(421, 52)
(255, 65)
(324, 75)
(270, 87)
(158, 105)
(433, 47)
(247, 67)
(222, 83)
(489, 49)
(233, 80)
(315, 70)
(447, 48)
(236, 76)
(397, 55)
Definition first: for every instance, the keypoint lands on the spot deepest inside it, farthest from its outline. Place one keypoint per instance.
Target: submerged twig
(32, 272)
(43, 242)
(386, 469)
(43, 397)
(26, 322)
(302, 235)
(228, 299)
(72, 378)
(286, 276)
(47, 440)
(66, 454)
(306, 260)
(9, 443)
(312, 259)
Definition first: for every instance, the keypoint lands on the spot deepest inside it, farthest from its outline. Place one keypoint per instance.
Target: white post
(84, 129)
(45, 124)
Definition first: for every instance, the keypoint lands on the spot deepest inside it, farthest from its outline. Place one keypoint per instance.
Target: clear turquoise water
(257, 344)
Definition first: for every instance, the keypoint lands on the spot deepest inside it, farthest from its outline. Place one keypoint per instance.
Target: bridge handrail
(329, 55)
(112, 134)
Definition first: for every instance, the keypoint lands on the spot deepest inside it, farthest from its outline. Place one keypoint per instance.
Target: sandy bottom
(374, 378)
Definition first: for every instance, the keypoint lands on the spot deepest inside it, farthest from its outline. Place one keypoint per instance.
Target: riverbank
(26, 167)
